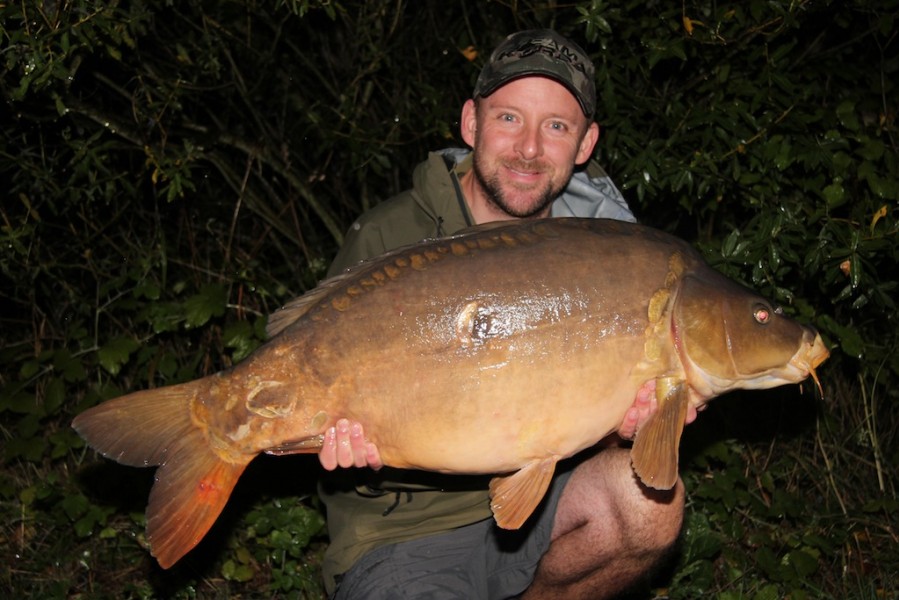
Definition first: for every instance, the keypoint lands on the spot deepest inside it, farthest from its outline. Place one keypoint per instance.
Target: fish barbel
(500, 350)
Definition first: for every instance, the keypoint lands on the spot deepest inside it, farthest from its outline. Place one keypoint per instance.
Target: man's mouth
(525, 170)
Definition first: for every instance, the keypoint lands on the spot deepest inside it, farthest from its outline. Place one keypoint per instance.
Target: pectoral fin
(514, 497)
(655, 452)
(307, 445)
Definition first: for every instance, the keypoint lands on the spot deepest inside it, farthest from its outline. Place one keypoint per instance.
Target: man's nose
(530, 143)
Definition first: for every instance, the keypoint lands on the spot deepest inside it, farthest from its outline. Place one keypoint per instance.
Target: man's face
(527, 137)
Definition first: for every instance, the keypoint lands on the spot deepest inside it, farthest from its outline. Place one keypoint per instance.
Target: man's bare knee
(657, 514)
(610, 533)
(604, 492)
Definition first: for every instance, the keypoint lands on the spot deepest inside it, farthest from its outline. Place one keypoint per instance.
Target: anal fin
(514, 497)
(655, 452)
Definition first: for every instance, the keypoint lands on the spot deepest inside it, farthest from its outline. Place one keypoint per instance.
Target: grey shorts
(476, 562)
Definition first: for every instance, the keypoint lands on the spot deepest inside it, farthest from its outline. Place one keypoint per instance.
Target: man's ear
(469, 122)
(585, 150)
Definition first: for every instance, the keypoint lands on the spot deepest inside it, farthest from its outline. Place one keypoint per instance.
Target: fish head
(728, 337)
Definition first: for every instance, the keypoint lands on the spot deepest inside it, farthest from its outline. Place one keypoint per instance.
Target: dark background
(173, 172)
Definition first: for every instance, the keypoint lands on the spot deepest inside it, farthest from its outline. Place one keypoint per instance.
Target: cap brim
(500, 81)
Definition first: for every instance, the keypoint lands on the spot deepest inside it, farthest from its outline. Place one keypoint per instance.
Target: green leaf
(702, 543)
(60, 105)
(148, 290)
(834, 194)
(208, 303)
(851, 340)
(769, 563)
(847, 115)
(234, 571)
(768, 592)
(28, 495)
(71, 366)
(74, 505)
(167, 366)
(54, 395)
(240, 337)
(30, 424)
(93, 516)
(872, 149)
(116, 353)
(63, 441)
(163, 316)
(28, 448)
(804, 563)
(20, 402)
(29, 369)
(114, 52)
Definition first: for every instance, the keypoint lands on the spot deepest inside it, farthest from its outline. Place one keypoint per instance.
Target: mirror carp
(500, 350)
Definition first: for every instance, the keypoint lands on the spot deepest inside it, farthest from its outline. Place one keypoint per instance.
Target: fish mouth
(810, 357)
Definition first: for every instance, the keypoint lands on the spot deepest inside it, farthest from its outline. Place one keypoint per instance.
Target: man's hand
(645, 404)
(344, 445)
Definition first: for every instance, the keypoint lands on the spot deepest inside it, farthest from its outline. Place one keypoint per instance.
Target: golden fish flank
(537, 335)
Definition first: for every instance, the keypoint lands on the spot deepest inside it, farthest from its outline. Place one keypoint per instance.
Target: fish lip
(814, 353)
(820, 358)
(806, 363)
(811, 357)
(801, 366)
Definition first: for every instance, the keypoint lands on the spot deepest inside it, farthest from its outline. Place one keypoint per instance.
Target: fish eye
(762, 314)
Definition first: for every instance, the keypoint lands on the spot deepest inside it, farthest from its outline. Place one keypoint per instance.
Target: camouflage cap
(540, 52)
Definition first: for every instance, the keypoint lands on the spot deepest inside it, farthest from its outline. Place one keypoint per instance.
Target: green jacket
(367, 509)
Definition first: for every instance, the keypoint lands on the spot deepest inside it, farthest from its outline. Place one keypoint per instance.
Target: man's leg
(609, 531)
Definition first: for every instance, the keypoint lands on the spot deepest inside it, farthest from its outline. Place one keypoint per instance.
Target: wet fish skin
(500, 350)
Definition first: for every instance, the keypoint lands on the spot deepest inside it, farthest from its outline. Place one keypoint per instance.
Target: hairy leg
(609, 533)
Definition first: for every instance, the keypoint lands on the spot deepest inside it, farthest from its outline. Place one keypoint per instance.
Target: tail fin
(193, 483)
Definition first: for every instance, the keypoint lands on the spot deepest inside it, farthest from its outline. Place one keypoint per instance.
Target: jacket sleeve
(363, 240)
(396, 222)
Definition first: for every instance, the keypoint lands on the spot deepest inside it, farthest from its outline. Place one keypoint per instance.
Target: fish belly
(497, 420)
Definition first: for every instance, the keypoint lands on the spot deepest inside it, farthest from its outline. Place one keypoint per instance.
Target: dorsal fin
(288, 314)
(285, 316)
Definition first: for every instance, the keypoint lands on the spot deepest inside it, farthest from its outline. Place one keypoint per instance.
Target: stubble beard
(493, 190)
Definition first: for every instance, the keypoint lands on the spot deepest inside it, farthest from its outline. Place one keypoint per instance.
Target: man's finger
(327, 456)
(345, 456)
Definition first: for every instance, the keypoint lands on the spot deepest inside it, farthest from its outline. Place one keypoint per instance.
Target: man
(405, 534)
